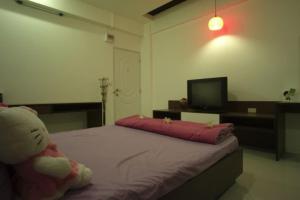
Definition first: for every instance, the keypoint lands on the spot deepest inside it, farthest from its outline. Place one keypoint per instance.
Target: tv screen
(208, 94)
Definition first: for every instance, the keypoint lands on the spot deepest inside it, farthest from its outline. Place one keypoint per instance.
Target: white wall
(146, 72)
(259, 51)
(84, 11)
(45, 58)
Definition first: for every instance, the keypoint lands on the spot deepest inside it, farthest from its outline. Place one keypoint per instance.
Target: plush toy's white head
(22, 134)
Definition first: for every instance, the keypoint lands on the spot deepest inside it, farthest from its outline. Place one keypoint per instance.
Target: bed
(131, 164)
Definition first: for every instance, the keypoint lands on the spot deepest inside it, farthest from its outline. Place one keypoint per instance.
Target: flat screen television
(208, 94)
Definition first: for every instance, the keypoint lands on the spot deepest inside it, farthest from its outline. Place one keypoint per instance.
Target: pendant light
(216, 23)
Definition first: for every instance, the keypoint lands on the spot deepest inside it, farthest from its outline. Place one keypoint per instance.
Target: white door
(126, 83)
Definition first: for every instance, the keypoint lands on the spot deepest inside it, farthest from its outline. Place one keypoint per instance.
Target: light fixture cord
(215, 8)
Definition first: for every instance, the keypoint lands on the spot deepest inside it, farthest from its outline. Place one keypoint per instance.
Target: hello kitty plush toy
(42, 172)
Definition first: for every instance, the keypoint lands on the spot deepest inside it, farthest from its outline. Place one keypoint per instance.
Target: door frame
(114, 86)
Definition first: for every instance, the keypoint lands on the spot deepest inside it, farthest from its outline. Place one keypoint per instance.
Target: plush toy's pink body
(35, 186)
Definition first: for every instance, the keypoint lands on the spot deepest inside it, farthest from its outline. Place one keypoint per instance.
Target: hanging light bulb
(216, 23)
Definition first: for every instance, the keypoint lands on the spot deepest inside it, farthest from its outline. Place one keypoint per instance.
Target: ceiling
(134, 9)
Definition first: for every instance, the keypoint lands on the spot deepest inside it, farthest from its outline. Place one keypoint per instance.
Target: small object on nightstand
(183, 101)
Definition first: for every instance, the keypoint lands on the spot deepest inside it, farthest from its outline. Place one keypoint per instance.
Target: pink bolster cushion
(199, 132)
(3, 105)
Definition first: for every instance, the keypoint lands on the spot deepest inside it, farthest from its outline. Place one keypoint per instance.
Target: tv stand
(183, 107)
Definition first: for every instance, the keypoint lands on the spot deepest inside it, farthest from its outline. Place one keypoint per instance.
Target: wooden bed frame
(213, 182)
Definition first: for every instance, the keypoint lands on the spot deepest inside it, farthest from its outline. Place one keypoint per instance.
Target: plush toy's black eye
(37, 136)
(34, 130)
(40, 141)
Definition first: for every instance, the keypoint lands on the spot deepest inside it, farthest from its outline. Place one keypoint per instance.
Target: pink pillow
(3, 105)
(199, 132)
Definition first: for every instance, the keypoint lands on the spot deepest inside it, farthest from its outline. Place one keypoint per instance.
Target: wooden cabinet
(161, 114)
(256, 130)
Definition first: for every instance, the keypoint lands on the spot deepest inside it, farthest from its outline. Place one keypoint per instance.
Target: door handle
(116, 92)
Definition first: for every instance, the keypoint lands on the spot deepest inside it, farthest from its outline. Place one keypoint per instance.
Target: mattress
(130, 164)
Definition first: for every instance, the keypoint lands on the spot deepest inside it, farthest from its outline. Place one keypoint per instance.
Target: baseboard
(292, 156)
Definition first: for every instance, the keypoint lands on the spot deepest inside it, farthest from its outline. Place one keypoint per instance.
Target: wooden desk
(93, 110)
(289, 107)
(264, 129)
(257, 130)
(282, 109)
